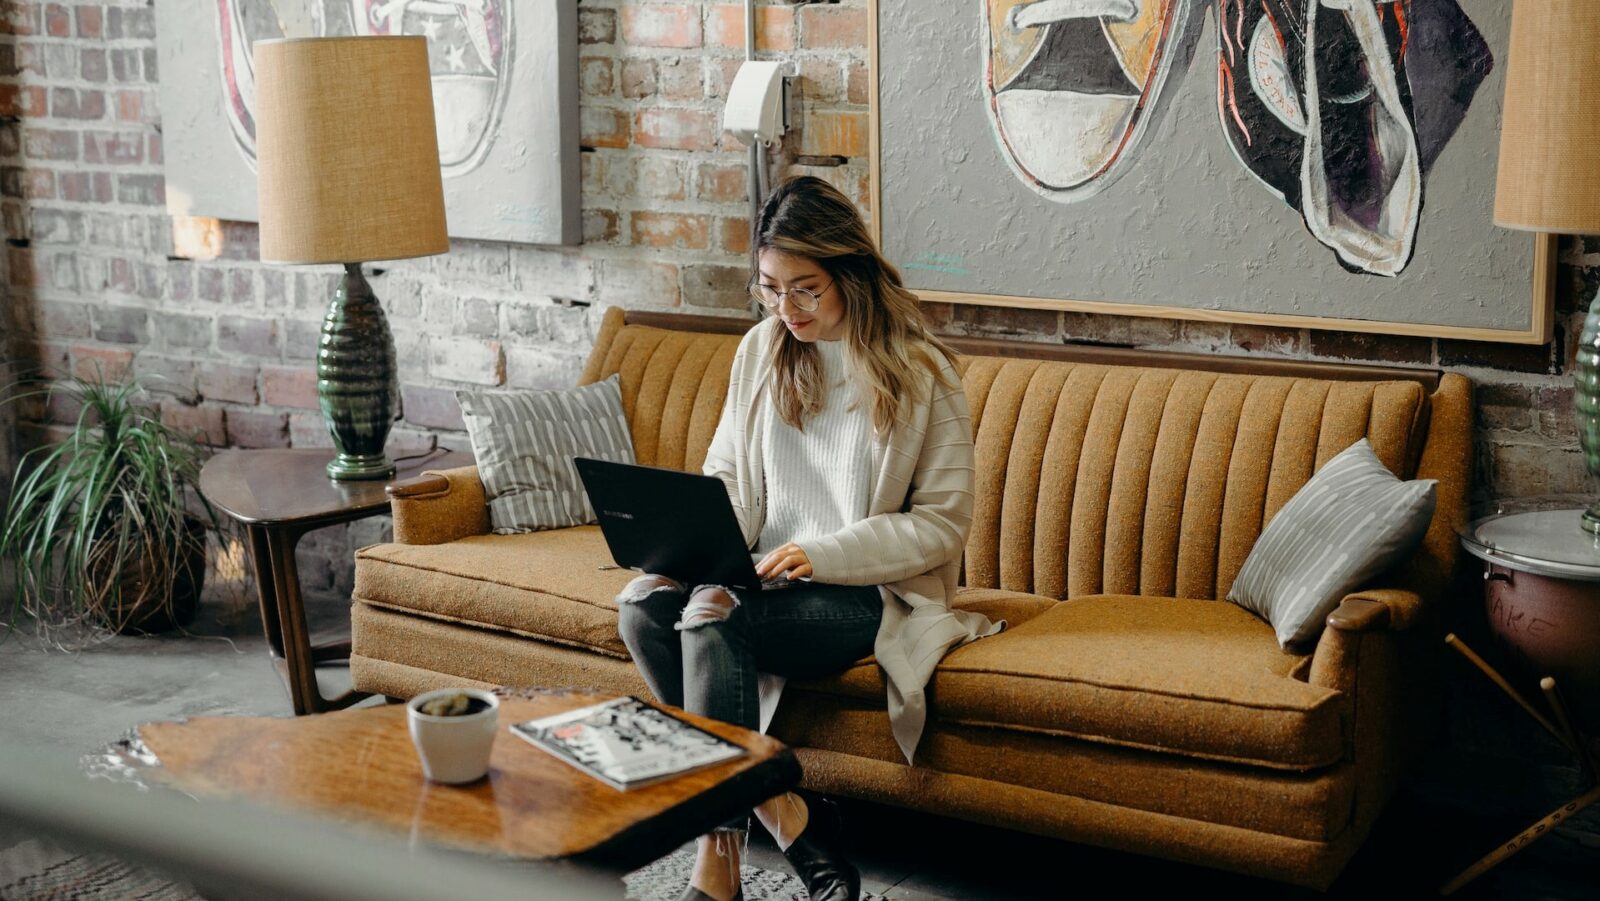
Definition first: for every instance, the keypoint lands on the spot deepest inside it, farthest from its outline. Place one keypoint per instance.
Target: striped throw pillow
(1348, 524)
(525, 442)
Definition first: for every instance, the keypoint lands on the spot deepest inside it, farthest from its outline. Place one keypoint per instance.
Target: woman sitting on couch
(846, 448)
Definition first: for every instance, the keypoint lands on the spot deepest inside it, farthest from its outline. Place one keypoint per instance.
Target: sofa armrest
(1359, 615)
(1377, 608)
(1374, 611)
(439, 506)
(1380, 654)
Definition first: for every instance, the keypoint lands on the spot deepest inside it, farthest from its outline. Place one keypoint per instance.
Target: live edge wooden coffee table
(359, 766)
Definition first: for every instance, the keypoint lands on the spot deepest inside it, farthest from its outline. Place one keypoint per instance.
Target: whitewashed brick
(400, 293)
(466, 360)
(438, 309)
(546, 320)
(411, 355)
(552, 273)
(543, 366)
(476, 317)
(474, 261)
(309, 429)
(638, 283)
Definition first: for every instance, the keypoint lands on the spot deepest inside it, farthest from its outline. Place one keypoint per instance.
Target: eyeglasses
(806, 300)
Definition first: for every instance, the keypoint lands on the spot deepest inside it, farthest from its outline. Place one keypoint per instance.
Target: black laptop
(671, 523)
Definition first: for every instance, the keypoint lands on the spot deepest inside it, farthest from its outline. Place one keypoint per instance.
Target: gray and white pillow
(525, 442)
(1350, 522)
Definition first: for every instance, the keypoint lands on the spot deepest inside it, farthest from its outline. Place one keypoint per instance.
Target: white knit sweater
(910, 542)
(819, 476)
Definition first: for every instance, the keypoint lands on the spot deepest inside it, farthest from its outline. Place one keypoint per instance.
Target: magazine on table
(626, 743)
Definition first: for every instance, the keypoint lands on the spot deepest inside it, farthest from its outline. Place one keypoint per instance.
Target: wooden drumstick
(1548, 685)
(1496, 678)
(1522, 840)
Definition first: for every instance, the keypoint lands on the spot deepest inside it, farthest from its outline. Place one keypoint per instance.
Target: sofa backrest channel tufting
(1096, 477)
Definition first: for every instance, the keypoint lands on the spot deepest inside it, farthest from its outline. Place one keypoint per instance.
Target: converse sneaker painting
(1074, 85)
(1314, 101)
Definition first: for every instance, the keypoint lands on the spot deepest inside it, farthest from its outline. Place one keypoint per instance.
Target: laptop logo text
(618, 514)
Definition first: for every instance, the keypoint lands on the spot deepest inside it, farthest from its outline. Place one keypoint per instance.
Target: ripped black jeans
(700, 648)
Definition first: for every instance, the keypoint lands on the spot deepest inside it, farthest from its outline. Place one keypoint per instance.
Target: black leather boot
(817, 855)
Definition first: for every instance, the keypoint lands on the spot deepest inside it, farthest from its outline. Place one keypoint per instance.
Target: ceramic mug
(454, 749)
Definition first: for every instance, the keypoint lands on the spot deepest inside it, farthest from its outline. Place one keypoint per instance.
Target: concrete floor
(75, 703)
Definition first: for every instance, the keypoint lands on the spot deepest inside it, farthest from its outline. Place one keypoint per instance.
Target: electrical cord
(437, 448)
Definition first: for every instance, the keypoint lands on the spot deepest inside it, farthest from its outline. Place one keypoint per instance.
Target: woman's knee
(649, 604)
(646, 586)
(709, 604)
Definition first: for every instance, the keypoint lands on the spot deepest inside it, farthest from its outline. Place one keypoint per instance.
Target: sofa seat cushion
(1193, 677)
(1309, 806)
(864, 680)
(547, 585)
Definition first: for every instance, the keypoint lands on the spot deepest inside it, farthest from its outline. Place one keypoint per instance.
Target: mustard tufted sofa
(1126, 705)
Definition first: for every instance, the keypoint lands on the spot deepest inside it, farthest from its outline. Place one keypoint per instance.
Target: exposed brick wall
(92, 284)
(664, 218)
(8, 419)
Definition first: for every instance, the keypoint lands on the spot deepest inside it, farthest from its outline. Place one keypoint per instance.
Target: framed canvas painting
(505, 101)
(1296, 163)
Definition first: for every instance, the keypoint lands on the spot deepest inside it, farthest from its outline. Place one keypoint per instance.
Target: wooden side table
(1542, 595)
(278, 495)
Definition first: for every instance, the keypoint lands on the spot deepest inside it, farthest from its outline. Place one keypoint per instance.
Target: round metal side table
(1541, 581)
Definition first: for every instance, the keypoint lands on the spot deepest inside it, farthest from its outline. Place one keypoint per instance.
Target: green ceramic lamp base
(1586, 402)
(356, 382)
(357, 467)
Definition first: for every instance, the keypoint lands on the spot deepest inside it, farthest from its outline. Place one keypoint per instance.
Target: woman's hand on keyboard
(788, 561)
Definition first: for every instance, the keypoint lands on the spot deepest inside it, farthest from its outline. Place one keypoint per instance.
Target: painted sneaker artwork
(1074, 84)
(470, 58)
(1337, 107)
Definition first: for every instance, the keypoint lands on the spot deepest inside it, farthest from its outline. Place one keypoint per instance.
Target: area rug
(38, 871)
(666, 879)
(35, 871)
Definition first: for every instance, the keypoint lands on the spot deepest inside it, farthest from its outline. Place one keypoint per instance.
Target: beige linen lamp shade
(1549, 175)
(347, 150)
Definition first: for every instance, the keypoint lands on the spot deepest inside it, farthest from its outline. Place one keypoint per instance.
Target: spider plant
(99, 527)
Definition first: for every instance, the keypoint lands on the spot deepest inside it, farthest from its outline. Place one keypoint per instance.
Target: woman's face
(784, 272)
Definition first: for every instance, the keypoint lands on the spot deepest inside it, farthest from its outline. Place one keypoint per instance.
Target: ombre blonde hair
(888, 339)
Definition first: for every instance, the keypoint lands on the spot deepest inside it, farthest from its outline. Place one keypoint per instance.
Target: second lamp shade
(347, 149)
(1549, 176)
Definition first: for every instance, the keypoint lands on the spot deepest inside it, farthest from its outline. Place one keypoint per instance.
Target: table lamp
(1549, 174)
(348, 163)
